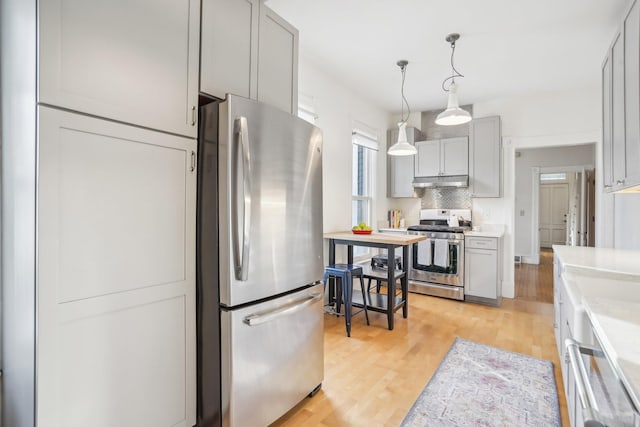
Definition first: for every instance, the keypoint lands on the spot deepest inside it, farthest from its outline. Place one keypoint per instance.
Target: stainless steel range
(437, 263)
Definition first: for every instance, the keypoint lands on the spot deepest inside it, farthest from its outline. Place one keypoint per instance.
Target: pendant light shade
(453, 115)
(402, 146)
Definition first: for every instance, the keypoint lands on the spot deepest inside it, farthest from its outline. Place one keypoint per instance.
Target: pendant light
(402, 146)
(453, 115)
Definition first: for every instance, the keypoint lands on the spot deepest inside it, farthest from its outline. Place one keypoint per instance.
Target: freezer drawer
(272, 357)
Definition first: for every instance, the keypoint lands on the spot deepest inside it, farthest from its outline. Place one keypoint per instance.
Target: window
(365, 147)
(560, 176)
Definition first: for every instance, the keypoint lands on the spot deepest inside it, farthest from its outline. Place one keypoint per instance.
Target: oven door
(597, 397)
(424, 264)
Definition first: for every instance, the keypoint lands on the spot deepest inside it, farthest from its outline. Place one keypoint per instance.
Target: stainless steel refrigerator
(259, 263)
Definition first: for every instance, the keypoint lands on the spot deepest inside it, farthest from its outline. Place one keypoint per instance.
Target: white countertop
(495, 233)
(601, 259)
(486, 230)
(607, 283)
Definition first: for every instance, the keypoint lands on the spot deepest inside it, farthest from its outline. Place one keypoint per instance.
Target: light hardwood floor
(373, 378)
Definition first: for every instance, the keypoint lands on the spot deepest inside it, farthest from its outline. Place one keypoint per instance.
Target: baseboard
(531, 259)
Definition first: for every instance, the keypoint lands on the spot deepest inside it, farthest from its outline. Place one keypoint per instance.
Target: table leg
(347, 292)
(404, 282)
(391, 284)
(350, 254)
(332, 251)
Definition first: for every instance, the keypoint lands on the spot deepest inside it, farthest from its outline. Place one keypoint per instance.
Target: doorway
(531, 231)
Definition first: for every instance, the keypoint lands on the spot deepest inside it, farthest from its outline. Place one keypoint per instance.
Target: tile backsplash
(444, 198)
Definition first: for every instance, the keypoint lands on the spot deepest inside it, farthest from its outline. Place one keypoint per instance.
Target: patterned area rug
(479, 385)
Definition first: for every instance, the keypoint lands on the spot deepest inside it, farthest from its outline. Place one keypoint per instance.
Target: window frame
(366, 142)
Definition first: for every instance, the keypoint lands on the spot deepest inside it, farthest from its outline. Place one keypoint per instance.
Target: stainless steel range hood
(458, 181)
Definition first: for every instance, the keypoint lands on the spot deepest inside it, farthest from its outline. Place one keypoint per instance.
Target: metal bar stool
(345, 273)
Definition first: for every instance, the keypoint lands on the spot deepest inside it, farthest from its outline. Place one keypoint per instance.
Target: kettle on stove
(453, 220)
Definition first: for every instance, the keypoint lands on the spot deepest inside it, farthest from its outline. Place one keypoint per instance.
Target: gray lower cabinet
(485, 157)
(135, 62)
(482, 270)
(400, 168)
(250, 51)
(621, 107)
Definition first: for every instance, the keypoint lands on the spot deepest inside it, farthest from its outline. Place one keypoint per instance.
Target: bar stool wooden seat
(344, 273)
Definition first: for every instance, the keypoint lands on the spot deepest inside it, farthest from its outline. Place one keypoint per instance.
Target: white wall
(337, 108)
(536, 121)
(525, 212)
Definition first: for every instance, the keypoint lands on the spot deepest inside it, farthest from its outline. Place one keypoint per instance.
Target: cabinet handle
(608, 186)
(620, 182)
(193, 161)
(193, 115)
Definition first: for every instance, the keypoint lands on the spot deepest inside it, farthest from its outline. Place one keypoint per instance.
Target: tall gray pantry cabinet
(99, 119)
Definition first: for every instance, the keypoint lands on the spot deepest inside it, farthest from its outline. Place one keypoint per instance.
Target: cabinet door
(133, 61)
(277, 62)
(427, 160)
(607, 159)
(632, 95)
(229, 52)
(454, 154)
(617, 107)
(116, 274)
(485, 157)
(481, 273)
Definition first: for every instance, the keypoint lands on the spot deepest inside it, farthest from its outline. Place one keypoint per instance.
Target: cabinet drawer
(481, 242)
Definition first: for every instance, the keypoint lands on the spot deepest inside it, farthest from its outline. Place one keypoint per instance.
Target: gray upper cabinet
(607, 158)
(621, 107)
(400, 168)
(442, 157)
(250, 51)
(132, 61)
(618, 116)
(427, 160)
(485, 157)
(632, 96)
(229, 52)
(454, 156)
(277, 62)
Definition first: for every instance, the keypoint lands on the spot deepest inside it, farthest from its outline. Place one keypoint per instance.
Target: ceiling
(506, 47)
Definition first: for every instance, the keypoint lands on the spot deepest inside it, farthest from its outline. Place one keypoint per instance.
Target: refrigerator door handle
(257, 319)
(242, 262)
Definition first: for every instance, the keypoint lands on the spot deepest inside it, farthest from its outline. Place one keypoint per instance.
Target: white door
(454, 156)
(427, 160)
(116, 274)
(277, 62)
(135, 61)
(229, 51)
(554, 207)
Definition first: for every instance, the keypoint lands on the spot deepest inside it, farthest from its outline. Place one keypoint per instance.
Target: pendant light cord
(454, 73)
(403, 70)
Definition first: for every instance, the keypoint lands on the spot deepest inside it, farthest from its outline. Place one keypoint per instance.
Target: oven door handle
(583, 387)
